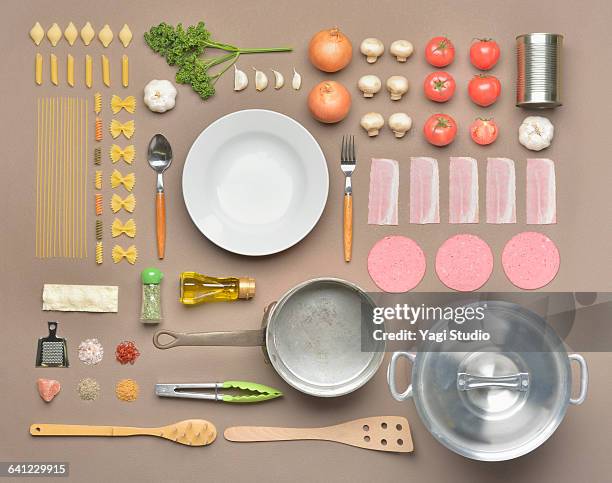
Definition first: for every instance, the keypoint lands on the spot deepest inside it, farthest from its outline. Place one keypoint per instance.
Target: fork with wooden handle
(191, 432)
(347, 164)
(380, 433)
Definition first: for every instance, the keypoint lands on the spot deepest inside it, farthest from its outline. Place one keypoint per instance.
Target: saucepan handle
(240, 338)
(584, 378)
(513, 382)
(391, 375)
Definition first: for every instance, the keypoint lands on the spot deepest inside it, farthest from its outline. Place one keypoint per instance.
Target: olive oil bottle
(198, 289)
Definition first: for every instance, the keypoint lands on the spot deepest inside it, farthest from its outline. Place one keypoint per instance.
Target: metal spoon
(160, 158)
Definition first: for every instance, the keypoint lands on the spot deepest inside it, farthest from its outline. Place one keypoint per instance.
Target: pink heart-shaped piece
(48, 388)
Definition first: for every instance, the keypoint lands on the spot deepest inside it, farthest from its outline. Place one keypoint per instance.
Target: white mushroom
(279, 79)
(296, 82)
(400, 123)
(261, 80)
(241, 81)
(372, 122)
(369, 85)
(397, 85)
(401, 49)
(372, 48)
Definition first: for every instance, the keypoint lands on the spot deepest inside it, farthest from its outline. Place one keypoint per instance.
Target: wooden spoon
(191, 432)
(380, 433)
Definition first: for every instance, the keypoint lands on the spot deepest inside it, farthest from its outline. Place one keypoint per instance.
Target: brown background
(581, 150)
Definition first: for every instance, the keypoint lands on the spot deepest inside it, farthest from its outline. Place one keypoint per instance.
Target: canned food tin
(538, 83)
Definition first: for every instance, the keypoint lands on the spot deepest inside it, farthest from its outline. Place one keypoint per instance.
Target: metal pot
(494, 403)
(311, 336)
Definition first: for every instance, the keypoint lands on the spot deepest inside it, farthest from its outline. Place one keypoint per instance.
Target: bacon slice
(541, 192)
(384, 192)
(424, 191)
(501, 191)
(463, 190)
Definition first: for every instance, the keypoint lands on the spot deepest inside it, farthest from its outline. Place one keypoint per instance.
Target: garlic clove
(125, 35)
(397, 85)
(54, 34)
(369, 85)
(296, 82)
(87, 33)
(105, 35)
(400, 123)
(401, 49)
(241, 80)
(279, 79)
(71, 33)
(372, 48)
(261, 80)
(372, 122)
(37, 33)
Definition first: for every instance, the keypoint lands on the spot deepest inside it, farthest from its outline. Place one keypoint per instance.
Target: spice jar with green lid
(151, 311)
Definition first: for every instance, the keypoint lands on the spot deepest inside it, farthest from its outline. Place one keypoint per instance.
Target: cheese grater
(52, 350)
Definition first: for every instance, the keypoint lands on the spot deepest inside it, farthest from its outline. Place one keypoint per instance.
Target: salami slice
(531, 260)
(396, 264)
(464, 262)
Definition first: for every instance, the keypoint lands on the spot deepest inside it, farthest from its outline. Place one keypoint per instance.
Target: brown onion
(330, 50)
(329, 101)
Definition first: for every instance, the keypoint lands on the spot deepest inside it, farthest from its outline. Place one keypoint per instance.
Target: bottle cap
(246, 288)
(151, 275)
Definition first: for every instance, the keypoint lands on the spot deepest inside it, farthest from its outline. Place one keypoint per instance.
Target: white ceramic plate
(255, 182)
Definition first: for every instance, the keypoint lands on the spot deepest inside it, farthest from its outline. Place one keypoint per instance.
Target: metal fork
(348, 160)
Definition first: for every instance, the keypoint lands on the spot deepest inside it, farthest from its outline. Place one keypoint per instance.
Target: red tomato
(439, 86)
(440, 129)
(484, 53)
(484, 89)
(439, 51)
(483, 131)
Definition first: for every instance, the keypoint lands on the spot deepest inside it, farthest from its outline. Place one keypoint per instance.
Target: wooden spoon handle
(86, 430)
(160, 216)
(348, 227)
(244, 434)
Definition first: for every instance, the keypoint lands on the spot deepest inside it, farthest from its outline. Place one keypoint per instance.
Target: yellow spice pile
(127, 390)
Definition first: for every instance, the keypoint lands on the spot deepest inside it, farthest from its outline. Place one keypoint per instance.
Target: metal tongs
(244, 392)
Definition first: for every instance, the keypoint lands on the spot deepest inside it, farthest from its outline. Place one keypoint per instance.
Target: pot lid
(486, 399)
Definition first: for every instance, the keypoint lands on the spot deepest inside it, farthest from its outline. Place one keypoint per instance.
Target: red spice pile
(127, 352)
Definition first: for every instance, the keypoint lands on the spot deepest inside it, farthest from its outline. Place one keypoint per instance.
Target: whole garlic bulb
(372, 122)
(397, 85)
(536, 133)
(401, 49)
(372, 48)
(160, 95)
(400, 123)
(369, 85)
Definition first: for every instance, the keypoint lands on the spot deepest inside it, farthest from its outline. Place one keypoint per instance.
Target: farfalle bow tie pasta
(128, 203)
(119, 253)
(126, 128)
(128, 154)
(129, 104)
(128, 181)
(118, 228)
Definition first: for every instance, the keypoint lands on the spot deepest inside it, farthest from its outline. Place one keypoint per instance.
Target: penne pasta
(54, 69)
(38, 69)
(70, 70)
(105, 71)
(88, 71)
(125, 71)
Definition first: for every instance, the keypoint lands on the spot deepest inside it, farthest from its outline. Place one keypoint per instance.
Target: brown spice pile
(127, 390)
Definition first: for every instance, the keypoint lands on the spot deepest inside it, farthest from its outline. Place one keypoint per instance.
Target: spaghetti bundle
(61, 177)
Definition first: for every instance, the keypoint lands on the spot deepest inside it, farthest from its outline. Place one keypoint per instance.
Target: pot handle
(391, 375)
(584, 378)
(240, 338)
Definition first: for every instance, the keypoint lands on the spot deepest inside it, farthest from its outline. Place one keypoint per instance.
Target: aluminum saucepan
(493, 402)
(311, 336)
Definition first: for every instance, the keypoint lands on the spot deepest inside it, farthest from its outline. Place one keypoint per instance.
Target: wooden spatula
(191, 432)
(380, 433)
